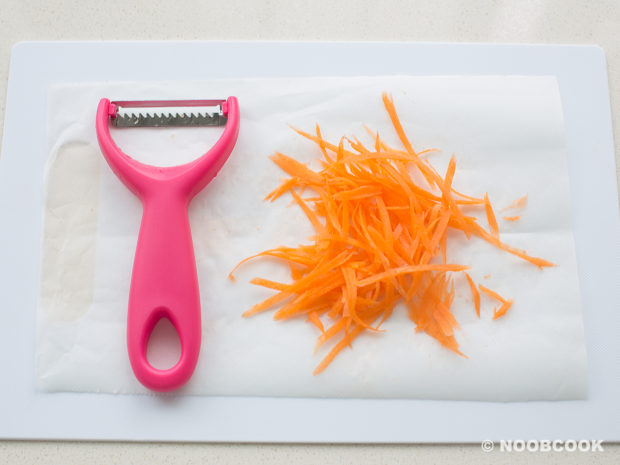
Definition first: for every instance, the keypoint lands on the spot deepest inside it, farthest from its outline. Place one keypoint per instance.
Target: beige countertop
(512, 21)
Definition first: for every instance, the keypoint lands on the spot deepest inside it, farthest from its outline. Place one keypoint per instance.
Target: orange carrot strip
(282, 188)
(294, 168)
(322, 145)
(313, 317)
(309, 213)
(519, 253)
(491, 293)
(344, 342)
(388, 102)
(269, 284)
(475, 294)
(409, 269)
(265, 304)
(491, 216)
(502, 309)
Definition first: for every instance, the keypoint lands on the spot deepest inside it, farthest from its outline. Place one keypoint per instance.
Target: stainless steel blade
(132, 120)
(160, 113)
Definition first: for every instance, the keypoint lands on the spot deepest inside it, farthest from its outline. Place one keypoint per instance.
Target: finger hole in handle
(163, 380)
(163, 350)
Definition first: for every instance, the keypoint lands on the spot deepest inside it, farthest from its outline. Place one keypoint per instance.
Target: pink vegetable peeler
(164, 281)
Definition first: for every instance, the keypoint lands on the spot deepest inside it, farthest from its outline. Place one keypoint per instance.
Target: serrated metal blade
(168, 113)
(133, 120)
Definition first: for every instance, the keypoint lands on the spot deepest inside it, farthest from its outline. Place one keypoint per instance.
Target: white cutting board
(27, 414)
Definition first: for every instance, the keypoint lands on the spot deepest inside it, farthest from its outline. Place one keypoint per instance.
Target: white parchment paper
(508, 137)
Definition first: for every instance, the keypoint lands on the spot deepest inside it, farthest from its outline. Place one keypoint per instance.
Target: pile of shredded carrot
(380, 240)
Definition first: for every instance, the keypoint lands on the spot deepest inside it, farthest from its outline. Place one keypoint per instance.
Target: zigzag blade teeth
(161, 119)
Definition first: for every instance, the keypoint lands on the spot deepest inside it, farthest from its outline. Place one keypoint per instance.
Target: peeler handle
(164, 285)
(164, 281)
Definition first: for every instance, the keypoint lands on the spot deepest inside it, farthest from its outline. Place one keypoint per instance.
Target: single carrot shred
(491, 216)
(474, 293)
(505, 303)
(491, 293)
(511, 218)
(502, 309)
(388, 102)
(313, 317)
(381, 238)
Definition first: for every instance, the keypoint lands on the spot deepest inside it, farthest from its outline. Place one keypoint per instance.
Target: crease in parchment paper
(507, 134)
